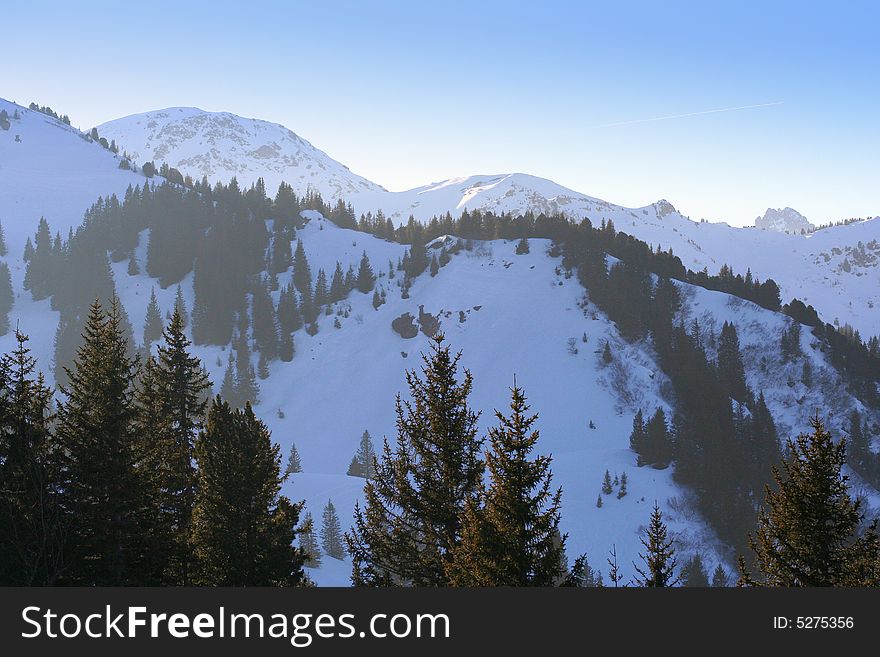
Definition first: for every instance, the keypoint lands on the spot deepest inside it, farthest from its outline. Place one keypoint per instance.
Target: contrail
(681, 116)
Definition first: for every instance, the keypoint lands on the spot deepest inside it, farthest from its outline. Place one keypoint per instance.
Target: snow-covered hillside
(48, 169)
(220, 145)
(836, 269)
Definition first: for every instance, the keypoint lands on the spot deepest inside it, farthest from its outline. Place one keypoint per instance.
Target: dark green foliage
(510, 532)
(435, 266)
(153, 321)
(809, 527)
(7, 297)
(265, 325)
(606, 484)
(410, 523)
(731, 372)
(607, 357)
(308, 542)
(522, 247)
(294, 464)
(790, 343)
(694, 573)
(40, 266)
(31, 529)
(289, 318)
(302, 273)
(243, 528)
(363, 463)
(659, 557)
(331, 532)
(365, 277)
(651, 440)
(110, 529)
(3, 250)
(583, 575)
(719, 577)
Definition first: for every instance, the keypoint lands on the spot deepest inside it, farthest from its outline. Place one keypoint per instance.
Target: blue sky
(407, 93)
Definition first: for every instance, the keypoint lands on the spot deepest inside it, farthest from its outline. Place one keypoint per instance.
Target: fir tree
(153, 321)
(363, 462)
(607, 356)
(108, 518)
(331, 532)
(133, 267)
(180, 307)
(3, 250)
(7, 297)
(522, 247)
(285, 347)
(337, 285)
(599, 501)
(308, 542)
(411, 520)
(621, 492)
(719, 577)
(365, 277)
(606, 484)
(510, 533)
(694, 574)
(731, 372)
(808, 529)
(302, 273)
(659, 556)
(243, 528)
(294, 464)
(31, 530)
(435, 266)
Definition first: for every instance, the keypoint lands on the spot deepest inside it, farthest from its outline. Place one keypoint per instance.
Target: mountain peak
(220, 145)
(785, 220)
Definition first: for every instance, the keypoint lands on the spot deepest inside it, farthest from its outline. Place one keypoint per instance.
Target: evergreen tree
(510, 533)
(331, 533)
(180, 307)
(411, 520)
(285, 347)
(621, 492)
(607, 356)
(228, 389)
(302, 273)
(694, 573)
(659, 556)
(109, 528)
(265, 327)
(181, 393)
(308, 542)
(294, 464)
(38, 274)
(243, 528)
(606, 484)
(522, 247)
(731, 372)
(7, 297)
(363, 462)
(153, 321)
(365, 277)
(599, 501)
(719, 577)
(31, 530)
(614, 573)
(337, 285)
(808, 529)
(435, 266)
(133, 267)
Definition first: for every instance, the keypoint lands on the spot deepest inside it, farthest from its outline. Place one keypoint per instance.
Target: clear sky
(612, 99)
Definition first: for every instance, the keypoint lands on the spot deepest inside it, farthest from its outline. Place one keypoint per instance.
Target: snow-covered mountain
(221, 145)
(509, 314)
(786, 220)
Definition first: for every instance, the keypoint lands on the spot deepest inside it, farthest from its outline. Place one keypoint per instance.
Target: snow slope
(52, 172)
(809, 267)
(220, 145)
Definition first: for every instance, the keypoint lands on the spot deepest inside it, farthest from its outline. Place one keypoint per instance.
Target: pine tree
(606, 484)
(285, 347)
(522, 247)
(38, 274)
(614, 572)
(302, 273)
(659, 556)
(731, 372)
(4, 251)
(363, 462)
(228, 389)
(510, 534)
(331, 532)
(7, 297)
(599, 501)
(294, 464)
(607, 356)
(109, 530)
(719, 577)
(337, 284)
(243, 528)
(180, 307)
(621, 492)
(308, 542)
(411, 520)
(133, 267)
(31, 530)
(435, 266)
(153, 322)
(694, 573)
(808, 529)
(182, 389)
(365, 277)
(321, 293)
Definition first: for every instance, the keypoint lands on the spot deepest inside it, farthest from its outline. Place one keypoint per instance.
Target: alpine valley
(310, 291)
